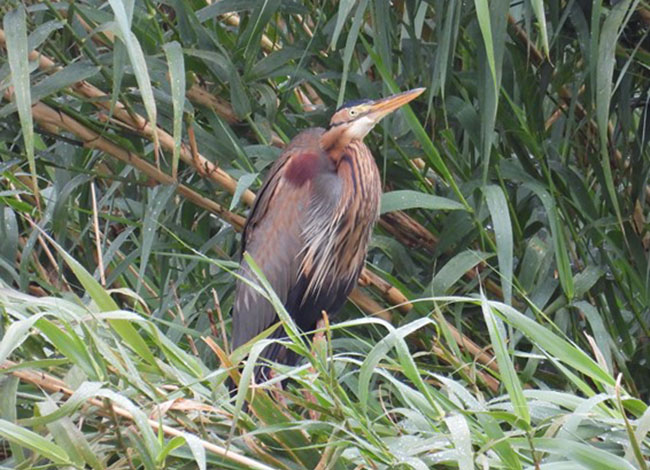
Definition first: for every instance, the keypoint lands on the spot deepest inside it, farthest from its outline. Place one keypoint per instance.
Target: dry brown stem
(389, 292)
(215, 173)
(408, 231)
(368, 304)
(198, 95)
(49, 116)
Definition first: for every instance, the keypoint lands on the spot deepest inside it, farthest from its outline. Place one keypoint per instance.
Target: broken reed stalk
(145, 128)
(369, 305)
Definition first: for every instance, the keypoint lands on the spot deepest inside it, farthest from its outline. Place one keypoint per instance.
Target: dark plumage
(352, 103)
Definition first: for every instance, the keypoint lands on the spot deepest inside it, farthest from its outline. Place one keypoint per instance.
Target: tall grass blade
(15, 27)
(176, 64)
(502, 226)
(506, 366)
(137, 59)
(604, 79)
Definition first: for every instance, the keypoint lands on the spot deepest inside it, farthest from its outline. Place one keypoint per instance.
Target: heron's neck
(334, 142)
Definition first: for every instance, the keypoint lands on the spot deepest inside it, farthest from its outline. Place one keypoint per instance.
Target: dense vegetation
(502, 320)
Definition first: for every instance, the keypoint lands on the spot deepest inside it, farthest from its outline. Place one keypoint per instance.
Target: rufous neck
(333, 142)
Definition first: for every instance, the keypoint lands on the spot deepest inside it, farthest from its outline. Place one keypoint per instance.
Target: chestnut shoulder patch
(303, 167)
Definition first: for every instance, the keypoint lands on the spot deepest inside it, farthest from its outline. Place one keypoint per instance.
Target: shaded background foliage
(521, 173)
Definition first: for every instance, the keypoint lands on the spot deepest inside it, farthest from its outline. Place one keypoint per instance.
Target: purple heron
(310, 225)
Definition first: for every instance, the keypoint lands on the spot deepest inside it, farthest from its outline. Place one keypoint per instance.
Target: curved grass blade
(506, 367)
(559, 241)
(462, 439)
(70, 438)
(198, 451)
(51, 84)
(603, 339)
(455, 269)
(395, 339)
(71, 346)
(484, 22)
(492, 24)
(243, 183)
(41, 33)
(408, 199)
(446, 48)
(640, 433)
(16, 334)
(538, 8)
(8, 410)
(553, 344)
(577, 453)
(173, 444)
(350, 44)
(345, 6)
(158, 198)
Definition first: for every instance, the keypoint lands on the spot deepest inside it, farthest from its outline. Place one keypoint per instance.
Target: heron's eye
(352, 112)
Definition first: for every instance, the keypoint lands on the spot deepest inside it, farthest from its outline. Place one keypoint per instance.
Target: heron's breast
(361, 183)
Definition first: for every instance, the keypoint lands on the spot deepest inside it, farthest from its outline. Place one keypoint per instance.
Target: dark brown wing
(305, 141)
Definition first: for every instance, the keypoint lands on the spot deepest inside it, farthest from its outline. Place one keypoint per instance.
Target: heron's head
(355, 119)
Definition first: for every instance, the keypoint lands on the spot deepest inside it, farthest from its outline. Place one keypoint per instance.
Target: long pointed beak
(385, 106)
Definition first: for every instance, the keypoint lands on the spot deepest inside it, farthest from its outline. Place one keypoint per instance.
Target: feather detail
(336, 245)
